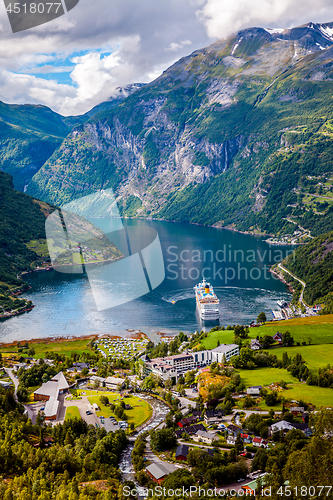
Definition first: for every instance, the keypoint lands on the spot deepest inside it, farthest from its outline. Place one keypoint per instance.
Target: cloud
(106, 44)
(175, 47)
(77, 61)
(223, 17)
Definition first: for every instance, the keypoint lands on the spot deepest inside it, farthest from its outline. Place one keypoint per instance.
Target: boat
(207, 301)
(282, 304)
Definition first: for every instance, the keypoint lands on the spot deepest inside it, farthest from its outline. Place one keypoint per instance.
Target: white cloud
(223, 17)
(175, 47)
(16, 87)
(136, 34)
(111, 44)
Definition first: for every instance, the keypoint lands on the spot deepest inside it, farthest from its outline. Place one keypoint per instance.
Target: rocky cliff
(228, 135)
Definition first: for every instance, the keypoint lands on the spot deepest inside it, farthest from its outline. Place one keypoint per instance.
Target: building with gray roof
(50, 392)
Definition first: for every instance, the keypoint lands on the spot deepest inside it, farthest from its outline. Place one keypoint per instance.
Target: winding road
(15, 380)
(301, 300)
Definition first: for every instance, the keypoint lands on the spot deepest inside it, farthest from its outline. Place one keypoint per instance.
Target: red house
(182, 452)
(157, 472)
(278, 337)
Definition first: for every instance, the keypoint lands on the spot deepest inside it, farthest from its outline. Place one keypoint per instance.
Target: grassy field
(141, 410)
(318, 396)
(265, 376)
(318, 328)
(225, 337)
(66, 347)
(316, 356)
(72, 412)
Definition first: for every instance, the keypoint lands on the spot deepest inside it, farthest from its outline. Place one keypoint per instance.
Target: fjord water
(235, 264)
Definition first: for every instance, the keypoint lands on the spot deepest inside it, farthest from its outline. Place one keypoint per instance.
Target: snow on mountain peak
(326, 31)
(274, 30)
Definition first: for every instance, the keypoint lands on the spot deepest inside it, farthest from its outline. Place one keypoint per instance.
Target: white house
(231, 440)
(255, 345)
(113, 383)
(254, 390)
(205, 437)
(259, 442)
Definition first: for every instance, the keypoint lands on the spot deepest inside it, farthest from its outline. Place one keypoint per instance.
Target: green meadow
(225, 337)
(72, 412)
(265, 376)
(314, 329)
(141, 411)
(65, 347)
(319, 329)
(316, 356)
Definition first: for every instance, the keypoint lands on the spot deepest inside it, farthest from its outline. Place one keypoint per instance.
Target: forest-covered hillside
(22, 220)
(313, 264)
(79, 456)
(237, 134)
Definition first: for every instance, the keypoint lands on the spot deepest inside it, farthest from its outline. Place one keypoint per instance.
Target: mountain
(313, 263)
(120, 94)
(234, 135)
(30, 134)
(22, 223)
(28, 137)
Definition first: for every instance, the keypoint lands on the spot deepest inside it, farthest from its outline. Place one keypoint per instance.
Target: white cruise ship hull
(208, 315)
(207, 301)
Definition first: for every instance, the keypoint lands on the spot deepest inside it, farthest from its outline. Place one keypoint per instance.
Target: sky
(77, 61)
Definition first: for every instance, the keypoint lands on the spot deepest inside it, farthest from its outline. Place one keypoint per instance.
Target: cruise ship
(207, 302)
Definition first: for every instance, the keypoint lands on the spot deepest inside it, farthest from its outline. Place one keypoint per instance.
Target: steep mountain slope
(313, 263)
(120, 95)
(28, 137)
(22, 220)
(229, 135)
(30, 134)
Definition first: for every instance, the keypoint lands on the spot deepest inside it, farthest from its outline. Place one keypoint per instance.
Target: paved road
(15, 380)
(186, 403)
(317, 196)
(204, 446)
(297, 279)
(190, 393)
(155, 459)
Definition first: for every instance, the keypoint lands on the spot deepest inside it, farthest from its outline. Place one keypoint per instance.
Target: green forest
(80, 455)
(313, 264)
(22, 220)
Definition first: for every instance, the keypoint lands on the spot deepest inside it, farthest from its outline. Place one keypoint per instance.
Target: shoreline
(134, 334)
(215, 226)
(49, 267)
(227, 228)
(18, 313)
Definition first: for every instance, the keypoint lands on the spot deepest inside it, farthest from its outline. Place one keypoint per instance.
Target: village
(232, 426)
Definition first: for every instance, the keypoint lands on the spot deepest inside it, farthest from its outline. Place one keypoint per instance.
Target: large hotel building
(175, 366)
